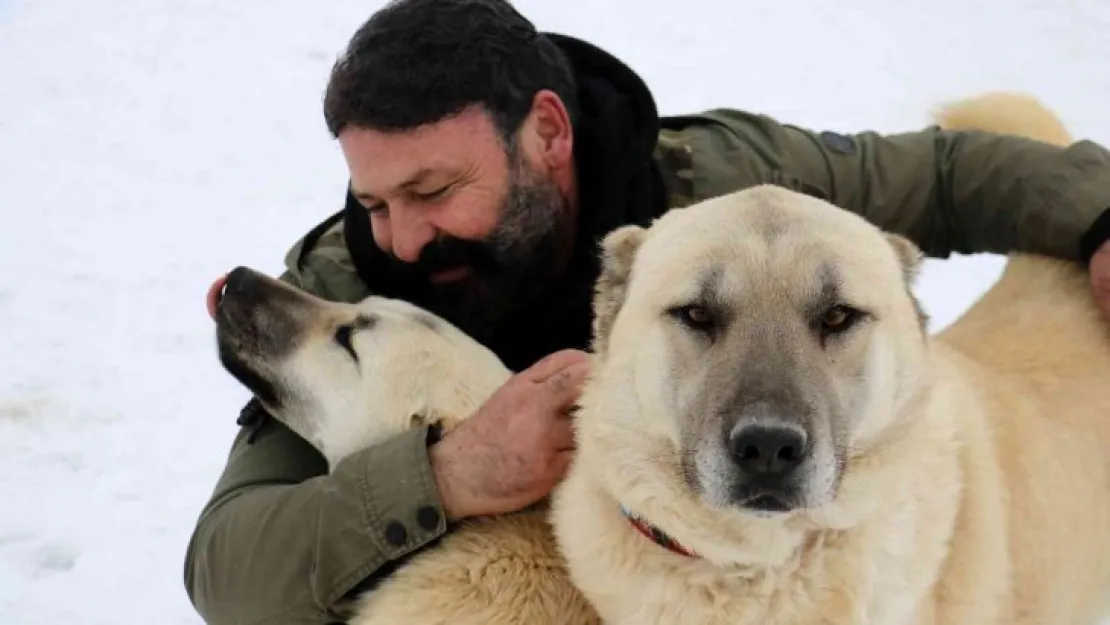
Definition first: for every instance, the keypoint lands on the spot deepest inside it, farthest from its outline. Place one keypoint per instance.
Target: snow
(148, 145)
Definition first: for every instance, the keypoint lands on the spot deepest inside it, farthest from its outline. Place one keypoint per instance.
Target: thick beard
(513, 266)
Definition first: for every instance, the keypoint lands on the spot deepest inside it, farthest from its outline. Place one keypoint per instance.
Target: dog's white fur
(975, 490)
(412, 368)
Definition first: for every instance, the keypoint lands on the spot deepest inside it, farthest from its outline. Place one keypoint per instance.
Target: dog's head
(747, 345)
(344, 376)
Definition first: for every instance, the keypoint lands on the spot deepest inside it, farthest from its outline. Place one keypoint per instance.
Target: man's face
(478, 225)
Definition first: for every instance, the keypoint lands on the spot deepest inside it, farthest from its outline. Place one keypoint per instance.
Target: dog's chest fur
(838, 581)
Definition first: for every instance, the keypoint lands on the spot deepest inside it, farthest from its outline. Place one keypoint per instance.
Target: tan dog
(771, 437)
(345, 376)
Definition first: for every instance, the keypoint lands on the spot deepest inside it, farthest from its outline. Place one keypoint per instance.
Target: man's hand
(1099, 272)
(517, 446)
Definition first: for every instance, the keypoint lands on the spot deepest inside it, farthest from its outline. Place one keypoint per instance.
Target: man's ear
(618, 252)
(911, 258)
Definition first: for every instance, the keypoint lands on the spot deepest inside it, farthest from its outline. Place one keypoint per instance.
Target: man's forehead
(383, 181)
(379, 162)
(382, 161)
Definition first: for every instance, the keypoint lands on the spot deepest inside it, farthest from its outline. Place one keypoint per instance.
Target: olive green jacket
(282, 542)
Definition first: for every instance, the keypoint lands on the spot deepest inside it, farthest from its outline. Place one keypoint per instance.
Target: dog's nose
(239, 280)
(767, 449)
(240, 287)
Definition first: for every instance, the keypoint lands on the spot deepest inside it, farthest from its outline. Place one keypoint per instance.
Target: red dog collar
(656, 535)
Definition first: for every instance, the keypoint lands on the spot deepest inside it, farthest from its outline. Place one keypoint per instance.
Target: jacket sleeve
(282, 541)
(948, 191)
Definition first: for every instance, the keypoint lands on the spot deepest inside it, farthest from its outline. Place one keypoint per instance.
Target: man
(486, 160)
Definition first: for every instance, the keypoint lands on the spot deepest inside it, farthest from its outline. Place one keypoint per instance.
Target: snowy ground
(148, 145)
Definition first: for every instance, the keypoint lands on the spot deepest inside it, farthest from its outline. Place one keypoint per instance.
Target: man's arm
(279, 541)
(964, 192)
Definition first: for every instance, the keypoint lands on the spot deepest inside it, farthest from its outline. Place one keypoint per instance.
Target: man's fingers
(562, 435)
(1100, 278)
(565, 385)
(553, 364)
(561, 464)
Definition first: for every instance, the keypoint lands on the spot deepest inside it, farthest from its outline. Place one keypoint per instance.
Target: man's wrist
(441, 456)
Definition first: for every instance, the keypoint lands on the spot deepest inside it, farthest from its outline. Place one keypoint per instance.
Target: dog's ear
(909, 255)
(618, 251)
(911, 258)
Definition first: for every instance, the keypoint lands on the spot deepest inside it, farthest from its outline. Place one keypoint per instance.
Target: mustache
(529, 218)
(449, 252)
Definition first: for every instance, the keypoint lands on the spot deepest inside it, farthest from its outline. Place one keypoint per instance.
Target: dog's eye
(839, 319)
(697, 317)
(343, 338)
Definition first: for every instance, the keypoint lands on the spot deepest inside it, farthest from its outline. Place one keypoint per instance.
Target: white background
(148, 145)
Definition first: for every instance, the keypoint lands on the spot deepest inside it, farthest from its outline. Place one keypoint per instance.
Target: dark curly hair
(416, 62)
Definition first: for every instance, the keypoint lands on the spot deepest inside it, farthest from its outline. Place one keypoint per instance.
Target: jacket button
(427, 517)
(395, 533)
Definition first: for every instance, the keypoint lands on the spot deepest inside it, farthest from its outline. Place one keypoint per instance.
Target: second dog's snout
(239, 280)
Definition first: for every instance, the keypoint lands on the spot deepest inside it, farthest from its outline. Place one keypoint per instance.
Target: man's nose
(410, 233)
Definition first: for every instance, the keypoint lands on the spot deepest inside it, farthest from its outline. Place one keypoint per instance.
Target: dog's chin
(768, 504)
(230, 353)
(764, 501)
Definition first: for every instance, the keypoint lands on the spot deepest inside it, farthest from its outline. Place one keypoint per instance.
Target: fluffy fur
(346, 376)
(765, 393)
